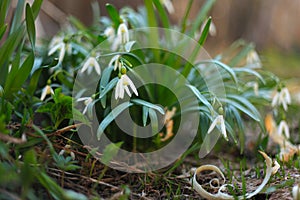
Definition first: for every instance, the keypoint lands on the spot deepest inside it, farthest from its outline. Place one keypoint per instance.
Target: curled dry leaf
(222, 195)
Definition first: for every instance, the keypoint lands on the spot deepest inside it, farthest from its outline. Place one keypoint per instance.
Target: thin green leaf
(111, 116)
(36, 6)
(54, 189)
(250, 71)
(202, 15)
(104, 81)
(151, 17)
(145, 115)
(6, 51)
(113, 13)
(2, 30)
(108, 87)
(240, 125)
(223, 66)
(4, 5)
(200, 97)
(16, 82)
(154, 121)
(149, 105)
(162, 13)
(205, 32)
(30, 25)
(186, 15)
(17, 20)
(242, 108)
(187, 68)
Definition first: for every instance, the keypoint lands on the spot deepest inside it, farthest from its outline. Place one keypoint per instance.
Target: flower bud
(221, 111)
(123, 70)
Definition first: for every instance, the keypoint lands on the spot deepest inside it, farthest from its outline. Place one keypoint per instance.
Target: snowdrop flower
(296, 192)
(220, 123)
(91, 63)
(122, 36)
(212, 29)
(168, 5)
(68, 151)
(123, 33)
(46, 90)
(87, 101)
(283, 98)
(253, 60)
(109, 32)
(122, 85)
(283, 127)
(116, 61)
(58, 44)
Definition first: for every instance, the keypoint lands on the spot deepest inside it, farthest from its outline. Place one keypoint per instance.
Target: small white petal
(54, 49)
(213, 125)
(97, 67)
(61, 152)
(118, 88)
(46, 90)
(275, 99)
(121, 92)
(86, 65)
(62, 53)
(212, 29)
(127, 90)
(223, 128)
(82, 99)
(123, 33)
(283, 127)
(286, 95)
(168, 5)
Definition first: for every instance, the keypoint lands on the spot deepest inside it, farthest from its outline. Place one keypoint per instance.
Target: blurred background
(271, 24)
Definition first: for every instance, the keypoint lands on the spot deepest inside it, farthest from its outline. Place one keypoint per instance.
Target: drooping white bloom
(58, 44)
(283, 98)
(296, 192)
(87, 101)
(116, 61)
(283, 128)
(109, 32)
(46, 90)
(123, 33)
(168, 5)
(253, 60)
(220, 123)
(122, 85)
(67, 149)
(91, 63)
(212, 29)
(122, 36)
